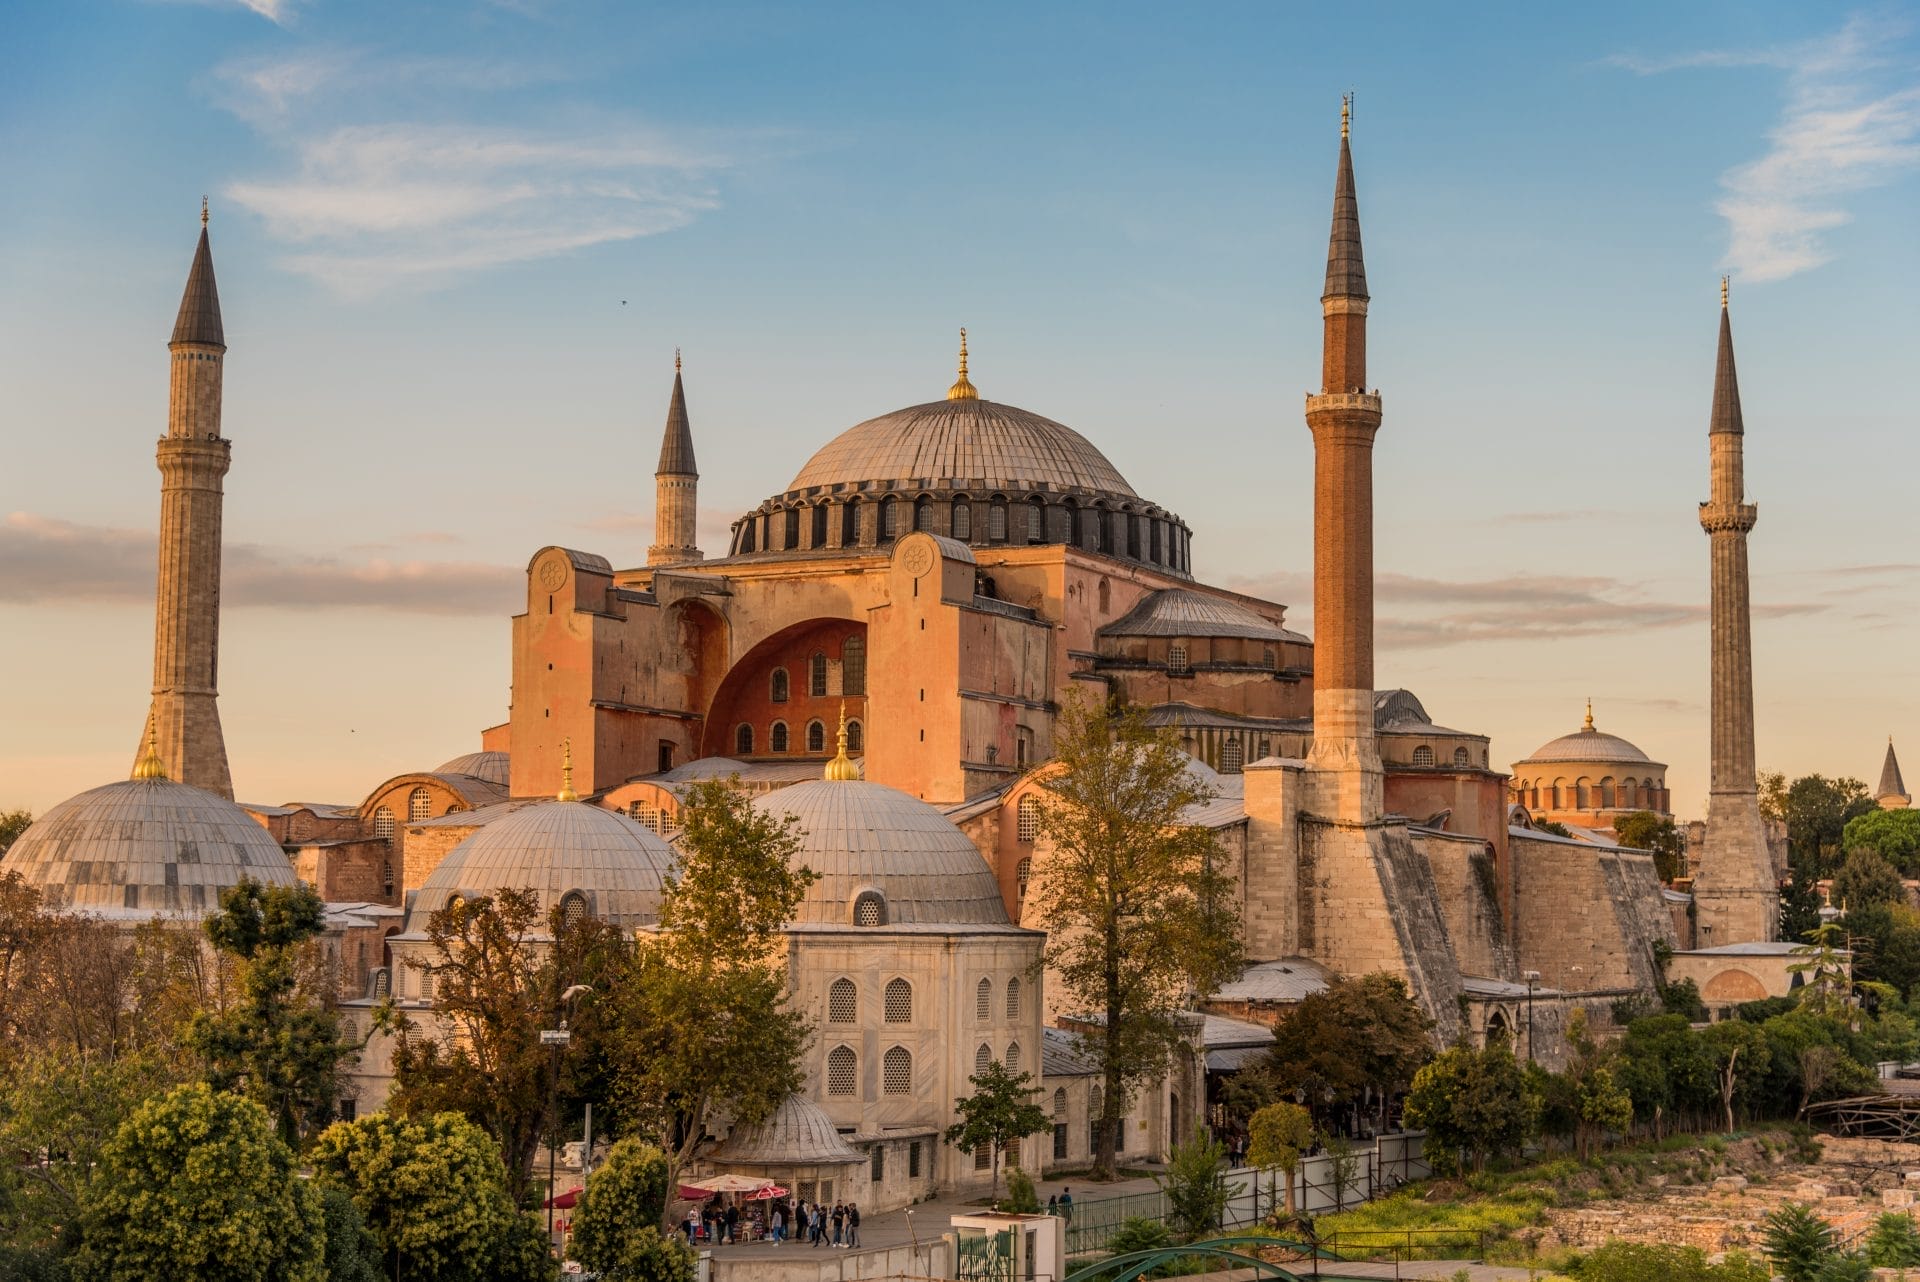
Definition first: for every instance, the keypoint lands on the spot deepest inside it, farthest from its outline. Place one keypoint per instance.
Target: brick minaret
(1344, 417)
(1736, 897)
(193, 459)
(676, 485)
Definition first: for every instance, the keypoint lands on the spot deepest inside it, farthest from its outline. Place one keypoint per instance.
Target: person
(731, 1218)
(693, 1224)
(816, 1226)
(853, 1224)
(1066, 1204)
(777, 1222)
(839, 1220)
(1053, 1204)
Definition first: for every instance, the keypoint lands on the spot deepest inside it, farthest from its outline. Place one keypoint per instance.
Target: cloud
(1851, 122)
(43, 559)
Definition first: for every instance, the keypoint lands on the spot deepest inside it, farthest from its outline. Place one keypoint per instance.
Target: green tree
(1797, 1241)
(701, 1022)
(648, 1255)
(1826, 987)
(1473, 1101)
(626, 1194)
(1361, 1037)
(1138, 907)
(1894, 1242)
(1644, 830)
(12, 824)
(1280, 1135)
(1022, 1198)
(1740, 1057)
(1885, 940)
(1894, 835)
(351, 1253)
(1553, 827)
(197, 1184)
(1000, 1112)
(1800, 902)
(1844, 1267)
(1816, 811)
(1865, 878)
(433, 1192)
(1196, 1187)
(279, 1043)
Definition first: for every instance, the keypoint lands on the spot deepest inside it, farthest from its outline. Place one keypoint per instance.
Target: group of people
(818, 1224)
(811, 1222)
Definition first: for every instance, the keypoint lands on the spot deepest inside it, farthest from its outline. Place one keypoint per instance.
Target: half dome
(555, 848)
(865, 838)
(490, 766)
(144, 848)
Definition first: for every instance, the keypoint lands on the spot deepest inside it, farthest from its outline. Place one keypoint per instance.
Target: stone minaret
(193, 459)
(1344, 417)
(1736, 897)
(676, 484)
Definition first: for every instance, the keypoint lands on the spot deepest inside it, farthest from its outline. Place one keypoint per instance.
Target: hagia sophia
(883, 652)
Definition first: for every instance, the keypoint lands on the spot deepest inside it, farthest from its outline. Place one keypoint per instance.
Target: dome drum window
(1177, 665)
(419, 805)
(1460, 757)
(842, 1070)
(1423, 755)
(1233, 755)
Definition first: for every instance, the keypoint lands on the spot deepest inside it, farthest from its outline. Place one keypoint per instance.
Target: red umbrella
(563, 1202)
(768, 1193)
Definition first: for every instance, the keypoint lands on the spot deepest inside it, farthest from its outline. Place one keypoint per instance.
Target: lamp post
(1533, 980)
(558, 1038)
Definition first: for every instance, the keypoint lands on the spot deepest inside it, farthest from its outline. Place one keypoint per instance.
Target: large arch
(742, 696)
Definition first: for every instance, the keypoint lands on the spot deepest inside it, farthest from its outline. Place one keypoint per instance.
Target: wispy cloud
(1851, 122)
(44, 559)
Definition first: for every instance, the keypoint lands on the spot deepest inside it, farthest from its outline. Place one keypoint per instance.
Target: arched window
(1267, 658)
(1460, 756)
(843, 1002)
(383, 823)
(1423, 755)
(817, 674)
(1060, 1104)
(819, 525)
(1036, 522)
(856, 737)
(997, 521)
(1023, 873)
(1106, 598)
(743, 741)
(383, 982)
(899, 1004)
(1013, 998)
(791, 532)
(780, 686)
(869, 909)
(645, 814)
(923, 513)
(896, 1071)
(1028, 825)
(1177, 661)
(573, 909)
(419, 805)
(1013, 1058)
(853, 666)
(962, 520)
(849, 523)
(1584, 794)
(816, 736)
(777, 737)
(426, 984)
(1559, 794)
(1630, 792)
(983, 1001)
(888, 509)
(842, 1070)
(1606, 793)
(1232, 755)
(982, 1058)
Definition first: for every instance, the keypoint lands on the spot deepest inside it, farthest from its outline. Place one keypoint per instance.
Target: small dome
(1588, 746)
(798, 1134)
(144, 848)
(866, 837)
(490, 766)
(963, 442)
(555, 847)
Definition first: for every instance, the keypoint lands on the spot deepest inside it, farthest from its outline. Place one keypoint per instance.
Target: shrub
(1137, 1233)
(1021, 1198)
(627, 1193)
(1639, 1262)
(1797, 1241)
(1894, 1243)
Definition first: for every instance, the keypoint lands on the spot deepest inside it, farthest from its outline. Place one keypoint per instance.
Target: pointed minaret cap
(676, 446)
(566, 792)
(1346, 269)
(842, 769)
(1892, 786)
(1726, 383)
(962, 389)
(150, 766)
(199, 319)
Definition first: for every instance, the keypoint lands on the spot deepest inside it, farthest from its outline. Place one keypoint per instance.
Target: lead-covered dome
(489, 766)
(144, 848)
(884, 858)
(558, 849)
(1588, 746)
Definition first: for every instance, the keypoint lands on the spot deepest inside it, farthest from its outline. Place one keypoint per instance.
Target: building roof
(553, 848)
(676, 443)
(1588, 746)
(492, 767)
(1726, 383)
(1289, 979)
(864, 836)
(798, 1134)
(1060, 1056)
(1183, 612)
(962, 444)
(144, 848)
(1891, 784)
(1757, 948)
(199, 318)
(1401, 712)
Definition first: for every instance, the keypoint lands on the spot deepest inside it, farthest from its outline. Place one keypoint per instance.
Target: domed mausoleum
(1589, 778)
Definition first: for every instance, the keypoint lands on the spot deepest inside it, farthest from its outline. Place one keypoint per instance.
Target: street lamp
(558, 1038)
(1533, 980)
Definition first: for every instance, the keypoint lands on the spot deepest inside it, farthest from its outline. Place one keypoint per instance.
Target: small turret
(1892, 793)
(676, 485)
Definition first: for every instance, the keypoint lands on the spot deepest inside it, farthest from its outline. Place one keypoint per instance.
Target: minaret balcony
(1717, 518)
(1367, 402)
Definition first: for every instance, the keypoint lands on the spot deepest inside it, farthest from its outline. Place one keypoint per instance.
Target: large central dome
(962, 443)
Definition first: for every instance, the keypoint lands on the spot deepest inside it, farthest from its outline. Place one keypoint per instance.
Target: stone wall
(1586, 917)
(926, 1259)
(1466, 877)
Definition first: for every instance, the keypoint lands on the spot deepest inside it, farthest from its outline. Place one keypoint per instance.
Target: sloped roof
(676, 443)
(798, 1134)
(1183, 612)
(199, 318)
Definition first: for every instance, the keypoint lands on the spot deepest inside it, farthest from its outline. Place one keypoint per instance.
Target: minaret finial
(676, 360)
(203, 212)
(566, 792)
(1346, 116)
(150, 766)
(1589, 724)
(963, 390)
(841, 769)
(1723, 293)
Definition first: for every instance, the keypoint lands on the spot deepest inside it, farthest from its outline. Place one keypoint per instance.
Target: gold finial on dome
(962, 390)
(150, 766)
(841, 769)
(1589, 724)
(566, 792)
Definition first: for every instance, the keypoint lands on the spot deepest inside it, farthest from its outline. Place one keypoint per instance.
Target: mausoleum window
(842, 1002)
(899, 1004)
(983, 1001)
(869, 909)
(1013, 998)
(896, 1072)
(842, 1070)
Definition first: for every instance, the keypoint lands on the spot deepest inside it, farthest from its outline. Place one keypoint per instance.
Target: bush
(352, 1255)
(627, 1193)
(1196, 1190)
(27, 1264)
(1894, 1243)
(1844, 1268)
(1797, 1241)
(1637, 1262)
(1021, 1198)
(1137, 1233)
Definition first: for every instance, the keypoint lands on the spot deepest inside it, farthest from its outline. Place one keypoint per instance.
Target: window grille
(869, 910)
(962, 521)
(1177, 660)
(1423, 755)
(899, 1002)
(1060, 1103)
(781, 685)
(1267, 658)
(419, 805)
(1028, 824)
(982, 1058)
(983, 1001)
(386, 875)
(383, 823)
(897, 1071)
(842, 1068)
(1036, 522)
(426, 985)
(983, 1158)
(382, 983)
(805, 1189)
(1231, 756)
(1023, 874)
(997, 522)
(913, 1160)
(1059, 1141)
(1459, 756)
(645, 814)
(1013, 1057)
(573, 909)
(743, 741)
(842, 1002)
(856, 737)
(853, 666)
(1013, 998)
(816, 736)
(817, 675)
(826, 1192)
(777, 737)
(922, 515)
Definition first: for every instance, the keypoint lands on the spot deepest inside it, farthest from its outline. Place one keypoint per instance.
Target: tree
(1740, 1056)
(1800, 902)
(1644, 830)
(627, 1194)
(351, 1253)
(648, 1255)
(1280, 1134)
(1022, 1198)
(1816, 811)
(433, 1193)
(1196, 1187)
(1472, 1101)
(701, 1022)
(1138, 908)
(1865, 878)
(197, 1184)
(1553, 827)
(1359, 1037)
(1885, 940)
(1797, 1241)
(1894, 835)
(279, 1044)
(1894, 1242)
(1597, 1103)
(1826, 988)
(1000, 1112)
(1844, 1266)
(12, 824)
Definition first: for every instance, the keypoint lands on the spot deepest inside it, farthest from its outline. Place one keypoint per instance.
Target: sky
(458, 243)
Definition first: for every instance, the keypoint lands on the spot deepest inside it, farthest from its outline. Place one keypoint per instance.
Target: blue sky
(458, 243)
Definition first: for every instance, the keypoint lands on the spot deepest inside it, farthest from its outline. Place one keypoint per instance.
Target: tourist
(817, 1224)
(777, 1224)
(731, 1219)
(1053, 1204)
(839, 1220)
(1066, 1205)
(693, 1224)
(853, 1224)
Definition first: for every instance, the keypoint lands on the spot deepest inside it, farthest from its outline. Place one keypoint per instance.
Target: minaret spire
(1892, 793)
(676, 485)
(184, 733)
